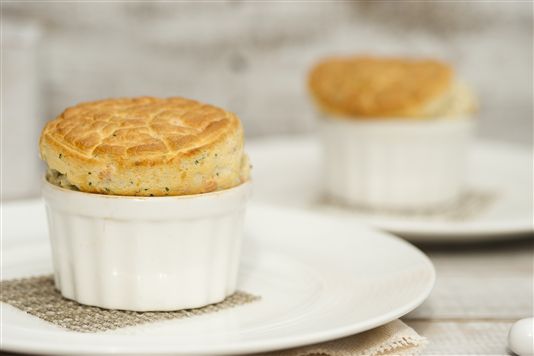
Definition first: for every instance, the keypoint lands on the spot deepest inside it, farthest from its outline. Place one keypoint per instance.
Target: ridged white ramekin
(146, 253)
(395, 164)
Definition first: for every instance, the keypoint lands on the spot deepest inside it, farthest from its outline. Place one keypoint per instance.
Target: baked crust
(388, 87)
(145, 146)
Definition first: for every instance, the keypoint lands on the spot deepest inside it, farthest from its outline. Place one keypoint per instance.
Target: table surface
(481, 290)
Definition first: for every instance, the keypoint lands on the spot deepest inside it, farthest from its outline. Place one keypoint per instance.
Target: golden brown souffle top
(145, 146)
(373, 87)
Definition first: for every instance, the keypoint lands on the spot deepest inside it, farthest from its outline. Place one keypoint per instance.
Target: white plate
(287, 172)
(319, 279)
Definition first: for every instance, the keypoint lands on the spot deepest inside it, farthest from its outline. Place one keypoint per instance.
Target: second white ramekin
(395, 164)
(146, 253)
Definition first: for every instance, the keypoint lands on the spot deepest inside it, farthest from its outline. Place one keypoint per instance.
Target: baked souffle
(145, 146)
(377, 87)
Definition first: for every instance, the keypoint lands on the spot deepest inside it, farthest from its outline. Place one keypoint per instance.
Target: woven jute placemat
(37, 296)
(470, 204)
(392, 339)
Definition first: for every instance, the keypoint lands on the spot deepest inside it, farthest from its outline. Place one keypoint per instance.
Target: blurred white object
(395, 163)
(521, 337)
(21, 123)
(157, 253)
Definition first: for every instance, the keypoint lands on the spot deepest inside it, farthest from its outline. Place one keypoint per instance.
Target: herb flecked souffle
(395, 131)
(145, 147)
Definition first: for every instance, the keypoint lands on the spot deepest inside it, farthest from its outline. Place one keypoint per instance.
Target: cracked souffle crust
(145, 147)
(382, 87)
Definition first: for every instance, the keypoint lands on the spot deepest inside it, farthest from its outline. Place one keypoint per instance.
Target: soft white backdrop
(250, 57)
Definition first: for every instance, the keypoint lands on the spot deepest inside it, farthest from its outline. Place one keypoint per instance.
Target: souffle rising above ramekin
(145, 200)
(145, 147)
(395, 131)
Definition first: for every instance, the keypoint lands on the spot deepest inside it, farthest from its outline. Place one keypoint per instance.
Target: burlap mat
(472, 203)
(37, 296)
(395, 338)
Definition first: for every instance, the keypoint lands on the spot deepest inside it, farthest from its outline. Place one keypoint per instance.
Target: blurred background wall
(252, 57)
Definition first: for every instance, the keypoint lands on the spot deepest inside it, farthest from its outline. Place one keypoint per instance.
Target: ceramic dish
(496, 202)
(319, 278)
(395, 163)
(145, 253)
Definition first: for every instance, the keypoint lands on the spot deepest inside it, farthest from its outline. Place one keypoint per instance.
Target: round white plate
(319, 279)
(498, 203)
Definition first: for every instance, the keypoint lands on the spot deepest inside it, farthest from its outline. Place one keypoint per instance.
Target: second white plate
(498, 203)
(319, 279)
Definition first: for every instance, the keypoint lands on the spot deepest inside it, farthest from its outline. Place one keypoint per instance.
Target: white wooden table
(481, 290)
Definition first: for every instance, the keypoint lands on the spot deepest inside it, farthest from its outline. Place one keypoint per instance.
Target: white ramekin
(395, 164)
(146, 253)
